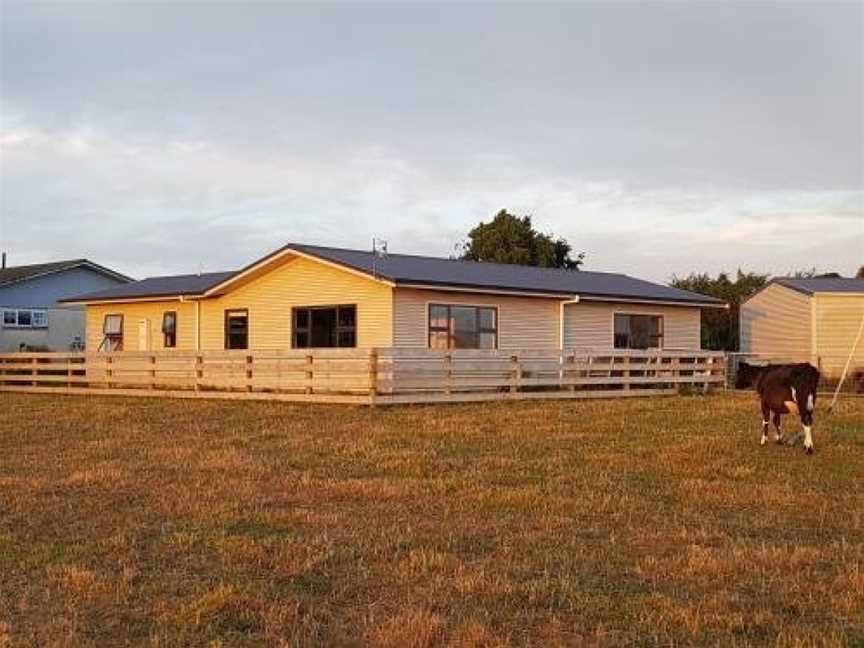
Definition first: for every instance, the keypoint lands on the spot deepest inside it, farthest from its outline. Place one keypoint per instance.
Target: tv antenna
(379, 251)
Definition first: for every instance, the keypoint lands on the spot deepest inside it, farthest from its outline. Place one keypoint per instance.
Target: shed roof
(422, 271)
(15, 274)
(822, 284)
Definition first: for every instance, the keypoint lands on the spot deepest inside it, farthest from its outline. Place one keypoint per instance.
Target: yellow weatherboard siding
(300, 282)
(150, 313)
(523, 322)
(592, 324)
(776, 322)
(837, 320)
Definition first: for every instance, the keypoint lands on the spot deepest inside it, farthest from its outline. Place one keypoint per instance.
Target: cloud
(152, 206)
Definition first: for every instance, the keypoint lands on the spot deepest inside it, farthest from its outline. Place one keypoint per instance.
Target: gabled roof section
(822, 285)
(16, 274)
(408, 270)
(171, 286)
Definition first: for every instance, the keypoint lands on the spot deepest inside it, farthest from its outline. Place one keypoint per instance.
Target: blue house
(31, 316)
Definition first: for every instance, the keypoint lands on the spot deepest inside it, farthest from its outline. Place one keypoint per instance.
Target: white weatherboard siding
(776, 322)
(838, 317)
(523, 322)
(591, 324)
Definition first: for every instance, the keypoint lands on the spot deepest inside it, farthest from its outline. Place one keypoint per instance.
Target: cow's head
(746, 375)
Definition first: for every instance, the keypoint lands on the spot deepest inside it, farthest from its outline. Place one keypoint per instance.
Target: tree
(720, 326)
(513, 239)
(860, 273)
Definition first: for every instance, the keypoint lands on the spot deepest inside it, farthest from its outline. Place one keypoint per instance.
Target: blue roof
(410, 270)
(406, 270)
(822, 284)
(171, 286)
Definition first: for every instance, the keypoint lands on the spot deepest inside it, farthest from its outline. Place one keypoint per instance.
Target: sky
(660, 139)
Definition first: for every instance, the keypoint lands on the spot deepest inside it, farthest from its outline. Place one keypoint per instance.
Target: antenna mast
(379, 251)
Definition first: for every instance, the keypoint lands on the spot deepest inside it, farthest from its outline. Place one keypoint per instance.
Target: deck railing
(366, 375)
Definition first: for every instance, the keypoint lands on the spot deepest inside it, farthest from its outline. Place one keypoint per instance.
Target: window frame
(16, 313)
(660, 337)
(307, 330)
(172, 342)
(228, 313)
(112, 338)
(478, 328)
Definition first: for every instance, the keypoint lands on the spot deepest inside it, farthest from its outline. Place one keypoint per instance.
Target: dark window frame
(112, 341)
(229, 312)
(479, 329)
(169, 338)
(658, 339)
(297, 331)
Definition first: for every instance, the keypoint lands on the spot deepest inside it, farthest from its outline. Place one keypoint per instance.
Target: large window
(169, 329)
(112, 328)
(24, 318)
(462, 327)
(236, 329)
(638, 331)
(324, 326)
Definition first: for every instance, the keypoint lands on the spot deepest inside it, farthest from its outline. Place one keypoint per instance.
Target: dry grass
(609, 522)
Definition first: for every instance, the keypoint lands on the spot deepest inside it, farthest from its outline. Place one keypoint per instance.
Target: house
(29, 302)
(805, 320)
(304, 296)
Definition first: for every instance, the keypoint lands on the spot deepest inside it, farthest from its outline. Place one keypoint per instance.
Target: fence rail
(366, 376)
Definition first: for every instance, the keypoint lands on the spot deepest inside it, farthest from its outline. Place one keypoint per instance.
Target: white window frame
(34, 312)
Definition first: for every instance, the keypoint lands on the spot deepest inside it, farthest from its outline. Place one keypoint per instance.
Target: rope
(848, 362)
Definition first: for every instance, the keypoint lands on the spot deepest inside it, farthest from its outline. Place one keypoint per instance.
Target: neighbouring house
(305, 296)
(806, 320)
(30, 297)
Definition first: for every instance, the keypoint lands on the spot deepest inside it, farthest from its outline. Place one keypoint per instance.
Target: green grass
(662, 521)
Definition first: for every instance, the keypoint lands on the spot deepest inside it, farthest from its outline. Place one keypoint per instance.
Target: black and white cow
(783, 389)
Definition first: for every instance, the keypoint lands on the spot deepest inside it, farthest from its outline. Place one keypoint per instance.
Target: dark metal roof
(404, 269)
(193, 284)
(409, 270)
(822, 284)
(15, 274)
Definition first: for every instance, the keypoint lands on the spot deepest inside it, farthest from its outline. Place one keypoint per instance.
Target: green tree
(513, 239)
(720, 326)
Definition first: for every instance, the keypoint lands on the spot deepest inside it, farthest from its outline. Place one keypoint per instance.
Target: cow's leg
(766, 419)
(807, 423)
(778, 433)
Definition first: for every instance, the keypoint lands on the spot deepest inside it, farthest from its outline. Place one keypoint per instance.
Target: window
(112, 327)
(25, 318)
(462, 327)
(169, 329)
(237, 329)
(638, 331)
(324, 326)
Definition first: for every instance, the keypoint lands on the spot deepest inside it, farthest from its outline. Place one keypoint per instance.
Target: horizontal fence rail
(366, 376)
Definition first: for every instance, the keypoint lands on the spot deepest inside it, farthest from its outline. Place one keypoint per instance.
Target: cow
(783, 389)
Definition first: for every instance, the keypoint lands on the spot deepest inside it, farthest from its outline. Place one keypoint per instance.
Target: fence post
(248, 373)
(515, 374)
(309, 372)
(152, 360)
(109, 373)
(199, 371)
(448, 367)
(373, 375)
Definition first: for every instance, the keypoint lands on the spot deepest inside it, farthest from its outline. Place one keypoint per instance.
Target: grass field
(159, 522)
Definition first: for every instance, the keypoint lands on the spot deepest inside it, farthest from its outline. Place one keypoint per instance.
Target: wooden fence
(368, 376)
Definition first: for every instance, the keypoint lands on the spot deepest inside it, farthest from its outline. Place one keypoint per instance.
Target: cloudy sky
(659, 138)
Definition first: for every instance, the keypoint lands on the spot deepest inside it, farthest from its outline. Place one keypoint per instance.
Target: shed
(806, 320)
